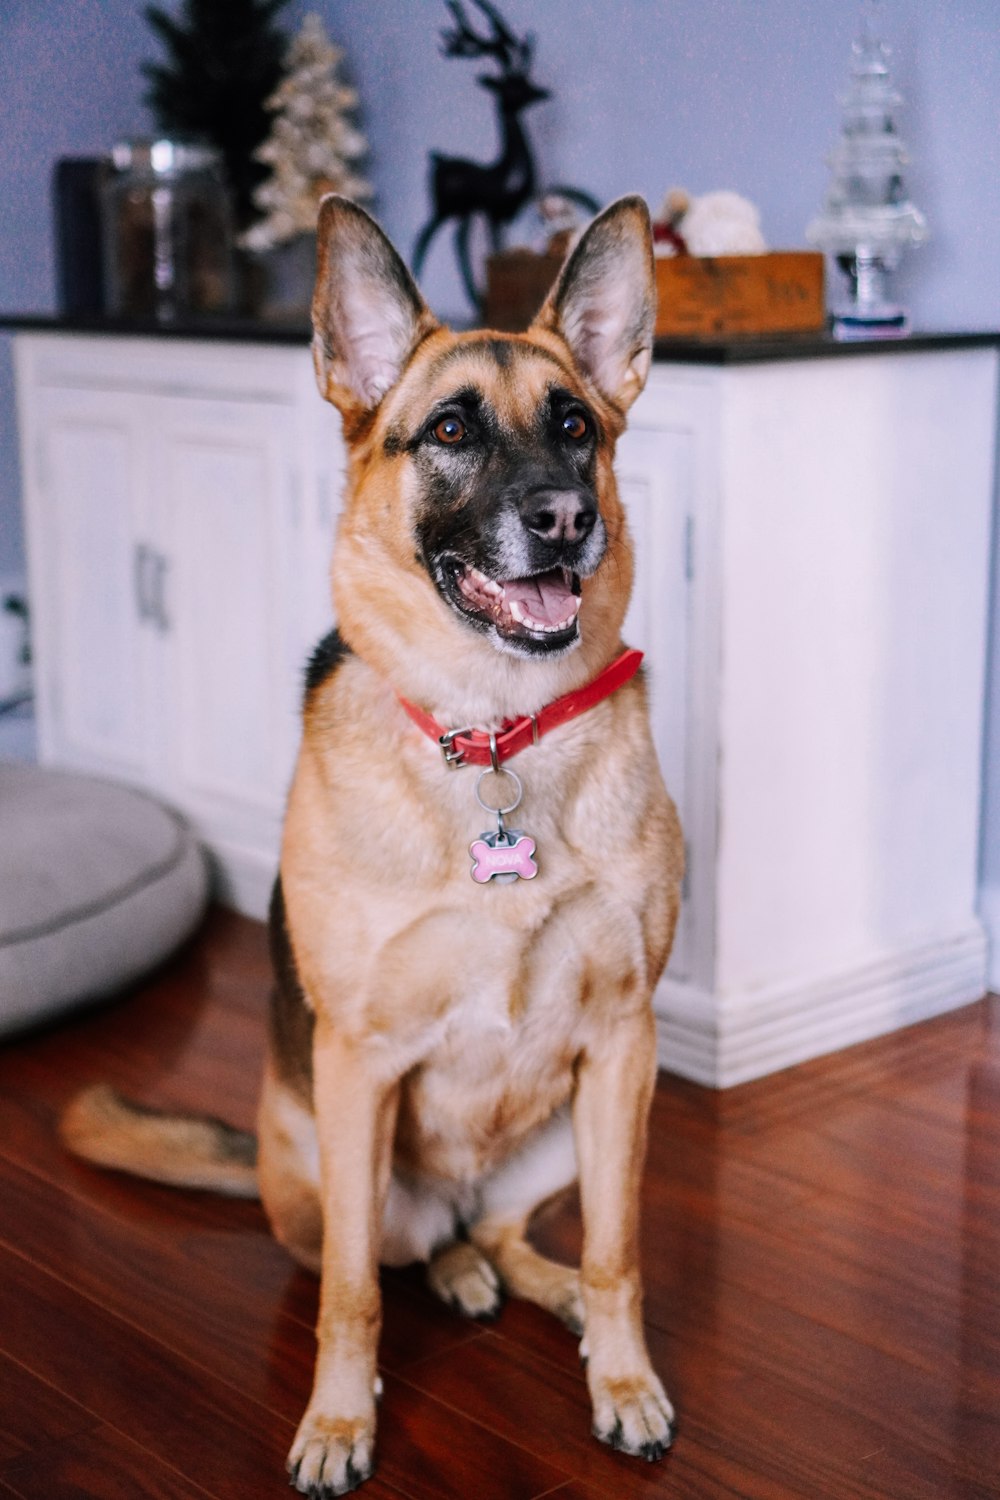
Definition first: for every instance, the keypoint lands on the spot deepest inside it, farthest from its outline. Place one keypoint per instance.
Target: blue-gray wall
(68, 86)
(707, 93)
(647, 94)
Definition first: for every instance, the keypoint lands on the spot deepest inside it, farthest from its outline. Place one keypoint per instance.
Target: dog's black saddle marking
(326, 658)
(290, 1020)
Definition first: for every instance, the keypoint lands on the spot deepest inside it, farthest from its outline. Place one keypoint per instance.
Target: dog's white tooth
(518, 613)
(487, 585)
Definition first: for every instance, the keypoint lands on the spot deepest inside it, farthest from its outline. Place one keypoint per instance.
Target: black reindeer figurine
(498, 191)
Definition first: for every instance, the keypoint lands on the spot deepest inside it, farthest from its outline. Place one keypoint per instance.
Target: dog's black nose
(559, 515)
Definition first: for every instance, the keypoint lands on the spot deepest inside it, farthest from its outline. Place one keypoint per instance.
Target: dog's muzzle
(524, 577)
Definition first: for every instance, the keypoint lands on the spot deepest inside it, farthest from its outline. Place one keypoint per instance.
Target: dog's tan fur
(440, 1035)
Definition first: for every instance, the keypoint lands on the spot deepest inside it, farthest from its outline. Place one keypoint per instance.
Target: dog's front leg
(611, 1105)
(355, 1118)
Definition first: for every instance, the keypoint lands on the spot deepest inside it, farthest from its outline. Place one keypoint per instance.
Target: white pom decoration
(722, 223)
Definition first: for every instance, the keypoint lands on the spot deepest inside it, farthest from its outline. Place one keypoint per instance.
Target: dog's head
(482, 518)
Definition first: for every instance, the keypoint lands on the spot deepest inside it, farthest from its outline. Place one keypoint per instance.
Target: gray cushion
(98, 884)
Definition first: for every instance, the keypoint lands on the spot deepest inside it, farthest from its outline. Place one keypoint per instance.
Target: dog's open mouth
(541, 610)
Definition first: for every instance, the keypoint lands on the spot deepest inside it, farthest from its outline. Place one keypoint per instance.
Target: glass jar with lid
(168, 231)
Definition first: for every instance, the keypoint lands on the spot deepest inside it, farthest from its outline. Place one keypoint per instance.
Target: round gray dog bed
(98, 884)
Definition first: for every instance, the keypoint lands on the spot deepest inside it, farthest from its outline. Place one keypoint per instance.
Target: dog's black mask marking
(510, 520)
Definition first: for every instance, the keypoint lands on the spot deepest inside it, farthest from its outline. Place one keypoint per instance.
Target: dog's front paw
(331, 1456)
(633, 1414)
(464, 1278)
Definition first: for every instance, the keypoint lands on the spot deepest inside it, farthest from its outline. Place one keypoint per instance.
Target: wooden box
(517, 283)
(779, 292)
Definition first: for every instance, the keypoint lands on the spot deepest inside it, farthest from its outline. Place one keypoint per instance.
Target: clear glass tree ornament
(868, 220)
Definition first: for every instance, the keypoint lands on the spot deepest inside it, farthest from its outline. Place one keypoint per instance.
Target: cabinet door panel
(224, 524)
(654, 468)
(91, 646)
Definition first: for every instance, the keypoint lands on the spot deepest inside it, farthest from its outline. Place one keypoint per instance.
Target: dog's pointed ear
(367, 313)
(604, 302)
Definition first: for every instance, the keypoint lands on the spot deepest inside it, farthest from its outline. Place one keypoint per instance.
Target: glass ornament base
(866, 311)
(848, 327)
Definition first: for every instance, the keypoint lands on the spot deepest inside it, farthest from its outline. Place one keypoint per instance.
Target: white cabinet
(86, 491)
(171, 502)
(812, 543)
(223, 536)
(663, 465)
(836, 643)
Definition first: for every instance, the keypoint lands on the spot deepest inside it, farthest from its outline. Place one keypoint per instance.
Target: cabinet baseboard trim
(242, 877)
(989, 910)
(722, 1043)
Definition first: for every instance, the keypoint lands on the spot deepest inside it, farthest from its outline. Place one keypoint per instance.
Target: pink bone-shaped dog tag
(503, 859)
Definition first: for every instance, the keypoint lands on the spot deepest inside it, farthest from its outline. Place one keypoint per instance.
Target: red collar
(476, 747)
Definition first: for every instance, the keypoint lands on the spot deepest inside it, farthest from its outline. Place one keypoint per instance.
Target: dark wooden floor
(822, 1255)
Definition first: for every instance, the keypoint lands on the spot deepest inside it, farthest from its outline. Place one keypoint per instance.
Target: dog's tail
(192, 1151)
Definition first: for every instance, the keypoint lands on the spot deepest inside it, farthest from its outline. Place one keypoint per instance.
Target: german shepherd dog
(446, 1053)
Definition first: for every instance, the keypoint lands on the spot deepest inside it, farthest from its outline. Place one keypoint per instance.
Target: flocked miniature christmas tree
(868, 220)
(313, 146)
(223, 62)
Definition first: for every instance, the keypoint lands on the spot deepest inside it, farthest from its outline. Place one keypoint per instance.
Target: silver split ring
(507, 808)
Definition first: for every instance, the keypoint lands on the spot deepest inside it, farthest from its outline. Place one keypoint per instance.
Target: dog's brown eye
(450, 430)
(574, 425)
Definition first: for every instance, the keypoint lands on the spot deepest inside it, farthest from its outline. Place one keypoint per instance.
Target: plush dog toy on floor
(457, 1035)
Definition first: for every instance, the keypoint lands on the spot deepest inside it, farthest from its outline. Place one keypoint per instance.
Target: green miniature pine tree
(224, 61)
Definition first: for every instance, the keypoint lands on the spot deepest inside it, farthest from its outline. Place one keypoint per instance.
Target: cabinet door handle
(159, 615)
(141, 560)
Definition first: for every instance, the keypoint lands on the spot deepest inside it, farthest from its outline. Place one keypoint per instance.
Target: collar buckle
(453, 759)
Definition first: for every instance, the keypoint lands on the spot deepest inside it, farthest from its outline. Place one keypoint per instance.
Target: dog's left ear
(367, 313)
(604, 302)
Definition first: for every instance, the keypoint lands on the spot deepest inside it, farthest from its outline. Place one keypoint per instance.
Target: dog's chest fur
(482, 995)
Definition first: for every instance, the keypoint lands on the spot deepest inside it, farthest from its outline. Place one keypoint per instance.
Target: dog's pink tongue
(547, 599)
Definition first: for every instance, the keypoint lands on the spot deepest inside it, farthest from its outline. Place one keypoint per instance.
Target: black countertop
(733, 350)
(750, 349)
(220, 329)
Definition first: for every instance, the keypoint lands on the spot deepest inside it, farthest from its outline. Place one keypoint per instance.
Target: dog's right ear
(367, 313)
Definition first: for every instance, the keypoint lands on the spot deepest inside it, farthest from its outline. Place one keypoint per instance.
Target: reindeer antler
(512, 54)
